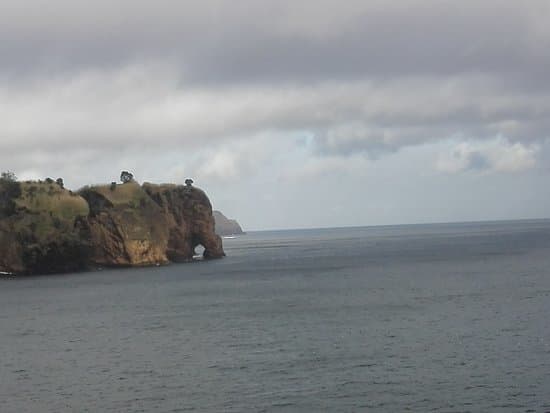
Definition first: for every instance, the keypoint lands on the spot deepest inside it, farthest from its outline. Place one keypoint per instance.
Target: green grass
(50, 209)
(42, 197)
(129, 194)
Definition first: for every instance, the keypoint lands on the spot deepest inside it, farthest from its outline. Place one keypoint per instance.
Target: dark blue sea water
(450, 318)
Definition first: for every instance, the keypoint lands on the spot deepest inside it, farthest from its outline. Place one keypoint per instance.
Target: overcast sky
(289, 113)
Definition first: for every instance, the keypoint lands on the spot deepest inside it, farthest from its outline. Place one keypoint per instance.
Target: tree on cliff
(59, 181)
(126, 177)
(8, 176)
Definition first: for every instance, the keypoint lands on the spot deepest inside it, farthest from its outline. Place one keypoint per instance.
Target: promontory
(226, 226)
(45, 228)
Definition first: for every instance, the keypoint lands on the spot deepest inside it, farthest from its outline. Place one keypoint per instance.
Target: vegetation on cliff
(45, 228)
(40, 228)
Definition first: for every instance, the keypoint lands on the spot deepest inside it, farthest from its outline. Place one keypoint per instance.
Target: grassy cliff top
(43, 211)
(129, 193)
(193, 191)
(44, 197)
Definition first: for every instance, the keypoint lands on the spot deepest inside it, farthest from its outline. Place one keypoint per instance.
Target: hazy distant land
(226, 226)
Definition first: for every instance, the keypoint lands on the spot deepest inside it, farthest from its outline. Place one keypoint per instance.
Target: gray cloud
(268, 41)
(148, 104)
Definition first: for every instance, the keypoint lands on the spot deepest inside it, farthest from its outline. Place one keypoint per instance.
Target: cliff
(190, 220)
(45, 228)
(226, 226)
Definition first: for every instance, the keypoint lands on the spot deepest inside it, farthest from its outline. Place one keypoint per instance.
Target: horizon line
(480, 221)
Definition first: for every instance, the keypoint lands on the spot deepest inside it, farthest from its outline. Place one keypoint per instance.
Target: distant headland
(226, 226)
(45, 228)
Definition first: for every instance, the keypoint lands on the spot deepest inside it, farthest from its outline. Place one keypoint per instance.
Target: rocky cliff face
(49, 229)
(125, 227)
(190, 222)
(226, 226)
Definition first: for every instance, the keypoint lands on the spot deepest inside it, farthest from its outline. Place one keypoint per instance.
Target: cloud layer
(282, 90)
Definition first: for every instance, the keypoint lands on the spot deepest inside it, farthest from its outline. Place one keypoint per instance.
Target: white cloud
(495, 155)
(150, 104)
(29, 175)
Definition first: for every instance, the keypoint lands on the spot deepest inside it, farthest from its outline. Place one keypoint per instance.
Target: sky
(288, 113)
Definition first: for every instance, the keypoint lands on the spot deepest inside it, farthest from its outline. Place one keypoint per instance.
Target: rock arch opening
(198, 252)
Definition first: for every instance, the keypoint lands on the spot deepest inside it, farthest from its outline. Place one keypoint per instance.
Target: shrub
(8, 176)
(10, 189)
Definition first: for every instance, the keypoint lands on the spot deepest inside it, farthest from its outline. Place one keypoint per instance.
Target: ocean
(442, 317)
